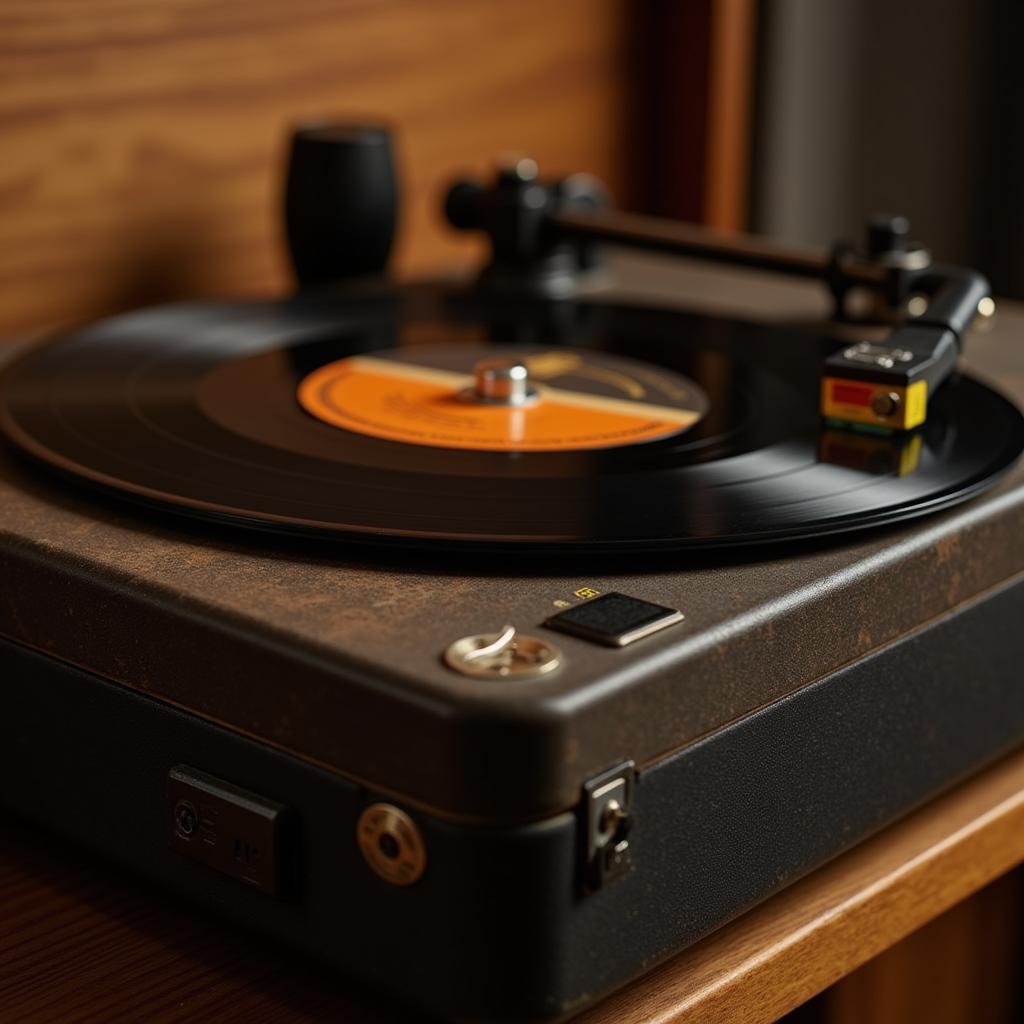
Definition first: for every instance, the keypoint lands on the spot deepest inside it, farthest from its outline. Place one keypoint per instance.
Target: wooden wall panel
(142, 139)
(695, 64)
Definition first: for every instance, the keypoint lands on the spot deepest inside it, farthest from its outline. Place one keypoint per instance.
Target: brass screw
(391, 844)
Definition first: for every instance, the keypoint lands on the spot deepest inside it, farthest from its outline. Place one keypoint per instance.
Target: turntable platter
(387, 417)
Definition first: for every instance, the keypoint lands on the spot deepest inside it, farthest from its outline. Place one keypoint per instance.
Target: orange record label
(580, 400)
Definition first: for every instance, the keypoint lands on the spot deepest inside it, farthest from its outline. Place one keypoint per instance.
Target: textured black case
(497, 928)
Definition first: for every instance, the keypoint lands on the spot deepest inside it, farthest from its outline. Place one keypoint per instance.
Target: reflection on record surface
(444, 420)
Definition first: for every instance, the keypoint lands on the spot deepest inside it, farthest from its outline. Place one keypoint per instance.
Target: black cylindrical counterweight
(340, 201)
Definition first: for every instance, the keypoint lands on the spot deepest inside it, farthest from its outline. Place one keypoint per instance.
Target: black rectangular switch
(226, 828)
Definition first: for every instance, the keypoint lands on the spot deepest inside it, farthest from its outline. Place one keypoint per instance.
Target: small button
(614, 619)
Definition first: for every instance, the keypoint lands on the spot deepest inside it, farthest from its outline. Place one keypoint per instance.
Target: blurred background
(142, 141)
(142, 159)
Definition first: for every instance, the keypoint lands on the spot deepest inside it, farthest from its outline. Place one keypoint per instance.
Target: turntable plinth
(288, 636)
(751, 972)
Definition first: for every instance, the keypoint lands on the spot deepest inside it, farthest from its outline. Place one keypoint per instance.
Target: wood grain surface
(730, 100)
(961, 968)
(696, 76)
(143, 141)
(79, 943)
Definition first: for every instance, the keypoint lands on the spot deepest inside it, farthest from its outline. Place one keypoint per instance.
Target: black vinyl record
(350, 415)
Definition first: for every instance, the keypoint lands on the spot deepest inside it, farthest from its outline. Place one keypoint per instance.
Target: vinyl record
(360, 417)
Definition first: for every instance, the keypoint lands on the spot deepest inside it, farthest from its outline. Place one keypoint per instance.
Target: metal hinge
(607, 823)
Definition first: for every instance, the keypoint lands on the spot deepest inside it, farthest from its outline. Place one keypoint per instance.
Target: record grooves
(640, 428)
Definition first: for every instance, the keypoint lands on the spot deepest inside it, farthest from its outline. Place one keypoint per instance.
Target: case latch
(607, 824)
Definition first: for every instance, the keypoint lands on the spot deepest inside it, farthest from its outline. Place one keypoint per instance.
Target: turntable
(494, 639)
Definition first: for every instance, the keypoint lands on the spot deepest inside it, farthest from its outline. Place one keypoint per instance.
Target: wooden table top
(79, 942)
